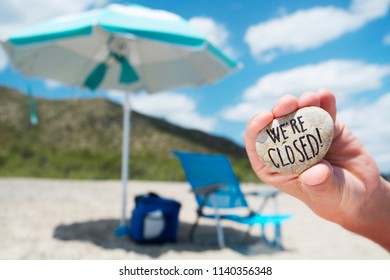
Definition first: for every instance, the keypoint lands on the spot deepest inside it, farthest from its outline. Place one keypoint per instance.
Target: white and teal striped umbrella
(128, 48)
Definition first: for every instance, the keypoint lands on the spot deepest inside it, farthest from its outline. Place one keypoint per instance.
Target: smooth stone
(293, 143)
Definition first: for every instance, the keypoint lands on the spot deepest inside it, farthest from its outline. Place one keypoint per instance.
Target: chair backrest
(204, 170)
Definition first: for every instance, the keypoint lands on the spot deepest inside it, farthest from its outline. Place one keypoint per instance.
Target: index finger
(328, 102)
(255, 125)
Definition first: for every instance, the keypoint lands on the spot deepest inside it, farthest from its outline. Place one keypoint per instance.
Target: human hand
(345, 187)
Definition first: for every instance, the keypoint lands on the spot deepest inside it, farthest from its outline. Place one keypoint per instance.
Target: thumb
(321, 191)
(317, 177)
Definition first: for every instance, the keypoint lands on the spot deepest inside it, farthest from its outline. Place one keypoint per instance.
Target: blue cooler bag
(154, 219)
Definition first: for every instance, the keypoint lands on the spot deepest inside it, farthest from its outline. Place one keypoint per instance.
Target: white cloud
(386, 39)
(311, 28)
(343, 77)
(173, 107)
(215, 32)
(52, 84)
(16, 14)
(368, 123)
(369, 9)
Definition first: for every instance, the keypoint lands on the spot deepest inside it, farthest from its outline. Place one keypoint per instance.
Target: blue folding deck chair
(216, 187)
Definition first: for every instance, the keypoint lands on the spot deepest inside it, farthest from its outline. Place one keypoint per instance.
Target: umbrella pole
(123, 229)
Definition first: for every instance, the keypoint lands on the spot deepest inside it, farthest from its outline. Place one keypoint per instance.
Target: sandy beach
(64, 219)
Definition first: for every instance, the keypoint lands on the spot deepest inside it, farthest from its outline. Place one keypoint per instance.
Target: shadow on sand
(101, 233)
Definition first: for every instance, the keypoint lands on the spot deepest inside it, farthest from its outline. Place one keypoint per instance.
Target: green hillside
(82, 139)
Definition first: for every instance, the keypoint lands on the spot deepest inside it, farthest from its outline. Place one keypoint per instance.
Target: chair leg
(277, 240)
(278, 236)
(220, 235)
(248, 232)
(193, 228)
(262, 206)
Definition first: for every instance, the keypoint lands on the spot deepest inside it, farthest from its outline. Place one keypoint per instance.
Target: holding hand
(345, 187)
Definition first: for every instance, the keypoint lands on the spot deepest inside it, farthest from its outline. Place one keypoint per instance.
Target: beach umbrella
(128, 48)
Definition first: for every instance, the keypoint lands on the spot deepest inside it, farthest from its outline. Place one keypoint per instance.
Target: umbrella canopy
(128, 48)
(136, 48)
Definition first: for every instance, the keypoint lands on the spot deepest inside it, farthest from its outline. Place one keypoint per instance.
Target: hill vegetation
(82, 139)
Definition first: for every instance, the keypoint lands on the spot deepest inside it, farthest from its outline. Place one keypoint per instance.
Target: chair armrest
(265, 196)
(264, 193)
(207, 190)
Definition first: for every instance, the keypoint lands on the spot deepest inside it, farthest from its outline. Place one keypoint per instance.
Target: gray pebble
(297, 141)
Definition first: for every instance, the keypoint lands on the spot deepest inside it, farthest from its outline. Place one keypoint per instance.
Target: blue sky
(285, 47)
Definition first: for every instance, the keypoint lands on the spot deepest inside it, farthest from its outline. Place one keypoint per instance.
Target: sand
(67, 219)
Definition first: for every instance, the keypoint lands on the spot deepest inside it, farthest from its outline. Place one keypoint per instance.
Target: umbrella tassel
(95, 78)
(33, 109)
(128, 74)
